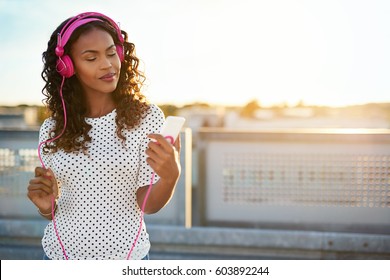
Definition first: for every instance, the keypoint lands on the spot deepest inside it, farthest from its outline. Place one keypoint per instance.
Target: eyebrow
(94, 51)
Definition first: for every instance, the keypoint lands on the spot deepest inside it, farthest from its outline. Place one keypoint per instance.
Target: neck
(100, 107)
(99, 113)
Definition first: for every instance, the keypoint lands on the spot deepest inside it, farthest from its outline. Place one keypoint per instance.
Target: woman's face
(96, 62)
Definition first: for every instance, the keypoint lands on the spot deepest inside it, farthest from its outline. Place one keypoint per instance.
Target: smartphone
(172, 127)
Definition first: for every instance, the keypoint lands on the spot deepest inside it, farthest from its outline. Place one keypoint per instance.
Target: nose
(106, 63)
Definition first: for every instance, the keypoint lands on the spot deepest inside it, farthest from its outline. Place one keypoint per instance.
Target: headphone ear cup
(121, 52)
(65, 66)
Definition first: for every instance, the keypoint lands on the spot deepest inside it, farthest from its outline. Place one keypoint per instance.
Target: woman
(98, 162)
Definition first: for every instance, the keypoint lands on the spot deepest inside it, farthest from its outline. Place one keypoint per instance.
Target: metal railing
(324, 179)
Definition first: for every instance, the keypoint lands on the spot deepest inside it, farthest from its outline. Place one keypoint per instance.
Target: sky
(222, 52)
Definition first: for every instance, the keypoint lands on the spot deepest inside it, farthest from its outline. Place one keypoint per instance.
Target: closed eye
(111, 51)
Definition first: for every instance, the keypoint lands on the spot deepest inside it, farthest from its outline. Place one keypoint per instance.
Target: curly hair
(131, 104)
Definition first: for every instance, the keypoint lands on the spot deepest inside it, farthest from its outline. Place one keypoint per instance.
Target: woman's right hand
(42, 188)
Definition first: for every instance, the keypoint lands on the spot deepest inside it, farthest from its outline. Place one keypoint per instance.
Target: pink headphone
(64, 63)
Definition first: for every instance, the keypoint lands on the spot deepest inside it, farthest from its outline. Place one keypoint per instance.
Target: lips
(108, 76)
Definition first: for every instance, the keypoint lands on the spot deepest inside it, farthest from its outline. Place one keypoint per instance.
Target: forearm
(160, 194)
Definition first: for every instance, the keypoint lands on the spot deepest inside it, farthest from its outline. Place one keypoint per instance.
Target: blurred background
(286, 145)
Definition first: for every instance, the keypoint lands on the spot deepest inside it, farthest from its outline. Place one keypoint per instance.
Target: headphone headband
(82, 19)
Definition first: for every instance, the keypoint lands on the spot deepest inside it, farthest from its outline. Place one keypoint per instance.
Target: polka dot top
(98, 216)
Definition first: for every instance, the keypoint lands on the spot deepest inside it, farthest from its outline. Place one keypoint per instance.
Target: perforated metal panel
(16, 170)
(306, 179)
(301, 182)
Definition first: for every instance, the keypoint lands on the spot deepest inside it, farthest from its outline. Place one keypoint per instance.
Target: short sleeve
(151, 124)
(44, 135)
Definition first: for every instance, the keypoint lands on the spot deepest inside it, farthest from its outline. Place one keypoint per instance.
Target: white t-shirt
(98, 216)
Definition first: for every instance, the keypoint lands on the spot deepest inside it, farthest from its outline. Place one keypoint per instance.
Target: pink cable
(142, 216)
(43, 165)
(170, 139)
